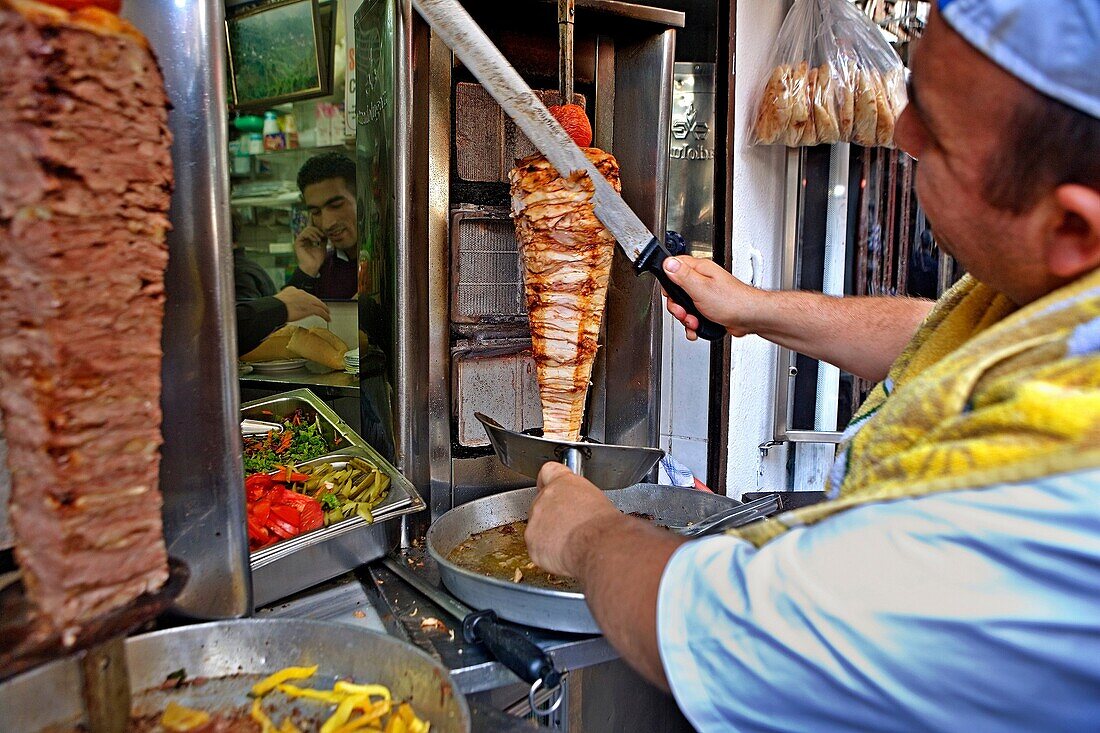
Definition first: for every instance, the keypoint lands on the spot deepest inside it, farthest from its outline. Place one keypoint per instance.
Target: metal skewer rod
(106, 687)
(566, 11)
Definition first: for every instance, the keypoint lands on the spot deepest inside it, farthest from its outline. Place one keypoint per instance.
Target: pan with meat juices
(477, 576)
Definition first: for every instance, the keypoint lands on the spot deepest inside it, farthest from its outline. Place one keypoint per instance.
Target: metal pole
(573, 459)
(565, 50)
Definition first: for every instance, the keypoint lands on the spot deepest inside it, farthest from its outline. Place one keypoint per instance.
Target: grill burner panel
(488, 274)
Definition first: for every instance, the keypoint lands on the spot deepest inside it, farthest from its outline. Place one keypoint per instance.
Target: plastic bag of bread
(833, 78)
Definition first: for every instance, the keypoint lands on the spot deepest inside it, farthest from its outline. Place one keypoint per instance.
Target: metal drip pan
(607, 466)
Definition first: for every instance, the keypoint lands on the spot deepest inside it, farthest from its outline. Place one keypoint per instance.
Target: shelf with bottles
(345, 147)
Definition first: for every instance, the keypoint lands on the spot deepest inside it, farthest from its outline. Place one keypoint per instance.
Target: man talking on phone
(327, 183)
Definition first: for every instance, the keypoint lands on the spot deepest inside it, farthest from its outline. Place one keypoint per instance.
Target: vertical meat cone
(84, 196)
(567, 257)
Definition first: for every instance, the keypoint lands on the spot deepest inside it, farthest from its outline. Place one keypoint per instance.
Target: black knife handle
(514, 650)
(652, 259)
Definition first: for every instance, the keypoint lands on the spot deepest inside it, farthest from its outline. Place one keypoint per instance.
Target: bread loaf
(319, 345)
(274, 347)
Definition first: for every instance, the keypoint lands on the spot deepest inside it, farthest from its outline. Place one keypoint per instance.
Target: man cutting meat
(953, 582)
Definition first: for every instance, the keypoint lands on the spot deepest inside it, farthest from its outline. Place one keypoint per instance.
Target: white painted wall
(755, 224)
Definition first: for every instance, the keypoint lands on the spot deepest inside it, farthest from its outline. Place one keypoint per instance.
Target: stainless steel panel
(631, 11)
(474, 478)
(504, 386)
(624, 400)
(691, 164)
(786, 358)
(394, 191)
(200, 473)
(320, 561)
(228, 653)
(437, 401)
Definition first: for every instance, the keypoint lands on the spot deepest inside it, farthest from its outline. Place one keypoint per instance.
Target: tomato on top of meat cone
(575, 122)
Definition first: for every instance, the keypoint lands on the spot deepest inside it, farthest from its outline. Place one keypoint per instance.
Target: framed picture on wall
(278, 52)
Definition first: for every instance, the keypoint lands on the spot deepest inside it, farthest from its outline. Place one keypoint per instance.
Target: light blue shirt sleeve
(966, 611)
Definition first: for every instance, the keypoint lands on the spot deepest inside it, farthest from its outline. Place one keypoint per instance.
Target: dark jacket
(259, 313)
(338, 279)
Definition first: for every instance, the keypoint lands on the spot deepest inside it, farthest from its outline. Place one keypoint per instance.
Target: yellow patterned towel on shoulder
(984, 394)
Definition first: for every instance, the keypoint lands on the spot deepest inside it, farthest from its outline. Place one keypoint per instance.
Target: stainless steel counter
(374, 597)
(333, 384)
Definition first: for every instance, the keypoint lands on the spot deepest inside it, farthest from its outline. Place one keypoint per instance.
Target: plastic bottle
(273, 136)
(290, 129)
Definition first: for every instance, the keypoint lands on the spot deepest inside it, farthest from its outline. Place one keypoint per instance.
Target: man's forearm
(861, 335)
(620, 563)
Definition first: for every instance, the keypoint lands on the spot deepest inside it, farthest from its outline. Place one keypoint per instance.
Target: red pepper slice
(312, 515)
(282, 529)
(258, 481)
(290, 475)
(260, 511)
(288, 514)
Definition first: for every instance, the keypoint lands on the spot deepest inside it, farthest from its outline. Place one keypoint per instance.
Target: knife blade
(466, 39)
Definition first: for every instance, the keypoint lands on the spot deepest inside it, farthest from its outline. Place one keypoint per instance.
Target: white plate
(279, 365)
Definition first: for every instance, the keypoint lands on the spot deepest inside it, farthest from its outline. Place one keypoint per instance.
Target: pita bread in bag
(844, 83)
(773, 113)
(895, 91)
(809, 134)
(799, 104)
(824, 99)
(865, 126)
(884, 127)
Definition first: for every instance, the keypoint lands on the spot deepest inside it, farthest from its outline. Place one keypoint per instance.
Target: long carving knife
(459, 31)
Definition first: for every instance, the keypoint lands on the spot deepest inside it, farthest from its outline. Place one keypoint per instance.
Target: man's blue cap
(1051, 45)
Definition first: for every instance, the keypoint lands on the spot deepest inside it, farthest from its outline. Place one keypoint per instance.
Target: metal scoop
(607, 466)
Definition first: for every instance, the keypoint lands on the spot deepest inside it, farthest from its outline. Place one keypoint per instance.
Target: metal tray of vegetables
(311, 429)
(327, 513)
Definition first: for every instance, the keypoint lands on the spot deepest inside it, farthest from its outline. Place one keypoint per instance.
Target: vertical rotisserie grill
(622, 73)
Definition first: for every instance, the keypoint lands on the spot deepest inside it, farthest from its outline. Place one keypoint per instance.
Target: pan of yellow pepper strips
(269, 675)
(358, 707)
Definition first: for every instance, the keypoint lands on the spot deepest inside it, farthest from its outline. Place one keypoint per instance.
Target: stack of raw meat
(84, 195)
